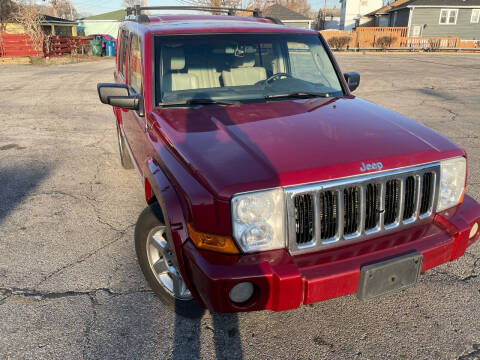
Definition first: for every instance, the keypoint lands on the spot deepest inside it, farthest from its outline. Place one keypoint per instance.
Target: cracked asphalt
(70, 287)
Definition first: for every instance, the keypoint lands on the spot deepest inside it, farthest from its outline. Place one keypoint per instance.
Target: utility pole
(324, 15)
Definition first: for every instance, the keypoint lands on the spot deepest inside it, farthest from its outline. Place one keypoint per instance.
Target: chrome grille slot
(409, 208)
(351, 210)
(338, 212)
(427, 185)
(304, 218)
(392, 202)
(372, 206)
(328, 214)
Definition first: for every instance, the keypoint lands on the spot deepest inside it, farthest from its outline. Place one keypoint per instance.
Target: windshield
(242, 67)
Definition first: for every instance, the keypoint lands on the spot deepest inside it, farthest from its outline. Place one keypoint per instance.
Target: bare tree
(63, 9)
(7, 7)
(300, 6)
(29, 16)
(131, 3)
(66, 10)
(214, 3)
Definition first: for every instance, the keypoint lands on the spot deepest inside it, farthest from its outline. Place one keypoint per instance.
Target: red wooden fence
(13, 45)
(17, 45)
(61, 45)
(371, 37)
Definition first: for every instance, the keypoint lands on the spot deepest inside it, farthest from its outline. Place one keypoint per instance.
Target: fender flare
(157, 183)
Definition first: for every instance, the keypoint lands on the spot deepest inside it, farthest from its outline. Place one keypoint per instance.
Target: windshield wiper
(298, 95)
(201, 102)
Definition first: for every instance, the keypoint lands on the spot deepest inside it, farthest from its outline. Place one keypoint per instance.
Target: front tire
(159, 266)
(125, 159)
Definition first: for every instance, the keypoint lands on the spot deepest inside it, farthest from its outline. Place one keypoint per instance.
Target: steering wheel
(277, 76)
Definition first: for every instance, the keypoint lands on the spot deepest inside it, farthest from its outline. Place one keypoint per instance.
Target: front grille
(351, 201)
(427, 188)
(392, 195)
(328, 214)
(410, 189)
(359, 207)
(304, 218)
(372, 206)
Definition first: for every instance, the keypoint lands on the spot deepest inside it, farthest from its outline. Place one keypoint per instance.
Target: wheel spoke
(178, 284)
(160, 266)
(162, 263)
(158, 240)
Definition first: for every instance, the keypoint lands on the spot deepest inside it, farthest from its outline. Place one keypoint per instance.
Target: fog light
(241, 292)
(473, 231)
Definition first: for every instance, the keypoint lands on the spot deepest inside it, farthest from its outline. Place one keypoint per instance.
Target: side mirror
(107, 90)
(131, 102)
(353, 80)
(118, 95)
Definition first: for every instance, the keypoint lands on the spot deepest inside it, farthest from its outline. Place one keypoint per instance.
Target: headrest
(246, 61)
(177, 58)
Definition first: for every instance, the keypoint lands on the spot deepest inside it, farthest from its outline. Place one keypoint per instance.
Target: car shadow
(226, 336)
(16, 183)
(213, 122)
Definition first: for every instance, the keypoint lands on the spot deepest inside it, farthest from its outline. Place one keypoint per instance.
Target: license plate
(389, 276)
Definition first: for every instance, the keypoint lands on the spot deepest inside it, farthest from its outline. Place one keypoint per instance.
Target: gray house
(393, 14)
(288, 17)
(432, 18)
(445, 18)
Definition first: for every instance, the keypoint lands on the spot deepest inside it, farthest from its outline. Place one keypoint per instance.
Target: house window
(417, 30)
(475, 19)
(448, 16)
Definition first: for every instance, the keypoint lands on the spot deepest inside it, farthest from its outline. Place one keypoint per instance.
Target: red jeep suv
(268, 184)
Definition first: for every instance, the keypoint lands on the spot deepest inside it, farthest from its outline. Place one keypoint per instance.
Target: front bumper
(285, 282)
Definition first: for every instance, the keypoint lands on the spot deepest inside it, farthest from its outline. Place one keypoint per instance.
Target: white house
(352, 12)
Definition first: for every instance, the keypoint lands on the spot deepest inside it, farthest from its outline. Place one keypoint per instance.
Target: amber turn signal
(212, 242)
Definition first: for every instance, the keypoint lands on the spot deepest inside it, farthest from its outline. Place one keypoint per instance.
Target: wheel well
(149, 194)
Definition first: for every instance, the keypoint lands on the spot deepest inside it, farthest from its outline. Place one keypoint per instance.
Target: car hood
(247, 147)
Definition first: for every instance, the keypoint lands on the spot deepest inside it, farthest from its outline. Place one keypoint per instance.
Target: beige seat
(204, 70)
(207, 78)
(246, 73)
(175, 80)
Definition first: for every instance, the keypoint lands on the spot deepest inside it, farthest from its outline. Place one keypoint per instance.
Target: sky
(94, 7)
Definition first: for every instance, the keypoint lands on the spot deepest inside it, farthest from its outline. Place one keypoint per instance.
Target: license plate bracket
(389, 276)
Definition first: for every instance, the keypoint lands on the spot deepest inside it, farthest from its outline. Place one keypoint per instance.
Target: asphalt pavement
(70, 286)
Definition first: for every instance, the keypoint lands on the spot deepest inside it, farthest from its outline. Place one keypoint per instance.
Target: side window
(305, 58)
(123, 51)
(135, 65)
(301, 61)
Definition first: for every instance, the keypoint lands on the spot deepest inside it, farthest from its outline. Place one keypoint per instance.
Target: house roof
(439, 3)
(387, 8)
(112, 15)
(53, 19)
(281, 12)
(400, 4)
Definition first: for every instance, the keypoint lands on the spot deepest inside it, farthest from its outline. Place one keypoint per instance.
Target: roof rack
(135, 13)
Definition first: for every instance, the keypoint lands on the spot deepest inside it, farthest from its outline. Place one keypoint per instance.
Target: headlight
(258, 220)
(452, 182)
